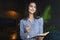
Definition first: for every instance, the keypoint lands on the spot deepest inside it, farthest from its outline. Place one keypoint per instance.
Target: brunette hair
(35, 14)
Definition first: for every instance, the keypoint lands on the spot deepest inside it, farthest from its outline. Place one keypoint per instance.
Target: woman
(32, 24)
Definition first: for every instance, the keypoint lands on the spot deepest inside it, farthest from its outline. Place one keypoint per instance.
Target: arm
(40, 28)
(22, 34)
(41, 25)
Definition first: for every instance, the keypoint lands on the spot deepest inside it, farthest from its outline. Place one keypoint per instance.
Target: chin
(32, 13)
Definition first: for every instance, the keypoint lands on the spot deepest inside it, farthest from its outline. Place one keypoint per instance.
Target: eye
(31, 6)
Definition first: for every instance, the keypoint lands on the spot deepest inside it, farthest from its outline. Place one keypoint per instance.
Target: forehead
(33, 4)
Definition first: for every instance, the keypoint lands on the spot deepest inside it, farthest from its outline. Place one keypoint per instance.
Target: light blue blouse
(36, 27)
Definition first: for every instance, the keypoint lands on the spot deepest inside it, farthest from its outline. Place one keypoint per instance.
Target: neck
(31, 16)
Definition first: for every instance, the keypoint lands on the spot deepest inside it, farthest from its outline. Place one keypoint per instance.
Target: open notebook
(44, 34)
(40, 35)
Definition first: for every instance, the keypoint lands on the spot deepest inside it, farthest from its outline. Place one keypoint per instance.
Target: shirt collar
(29, 20)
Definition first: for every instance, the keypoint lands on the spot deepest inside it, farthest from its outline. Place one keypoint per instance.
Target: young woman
(31, 24)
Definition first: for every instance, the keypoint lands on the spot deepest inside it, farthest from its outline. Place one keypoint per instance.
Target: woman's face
(32, 8)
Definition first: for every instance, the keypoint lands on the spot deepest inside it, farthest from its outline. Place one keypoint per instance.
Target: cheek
(30, 8)
(35, 9)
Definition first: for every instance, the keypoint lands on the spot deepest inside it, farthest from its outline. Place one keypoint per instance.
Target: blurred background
(11, 11)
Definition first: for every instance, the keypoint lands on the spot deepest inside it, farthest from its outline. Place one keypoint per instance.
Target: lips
(33, 10)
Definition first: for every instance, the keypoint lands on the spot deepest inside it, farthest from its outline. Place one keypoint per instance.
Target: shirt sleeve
(41, 25)
(22, 34)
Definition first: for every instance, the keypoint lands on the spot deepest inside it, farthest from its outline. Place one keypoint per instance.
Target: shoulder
(41, 18)
(22, 20)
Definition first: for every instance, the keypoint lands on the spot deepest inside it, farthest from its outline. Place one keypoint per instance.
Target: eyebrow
(31, 5)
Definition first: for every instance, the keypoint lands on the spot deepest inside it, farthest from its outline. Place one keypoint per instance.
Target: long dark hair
(35, 14)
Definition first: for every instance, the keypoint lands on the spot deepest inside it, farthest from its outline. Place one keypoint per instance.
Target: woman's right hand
(28, 28)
